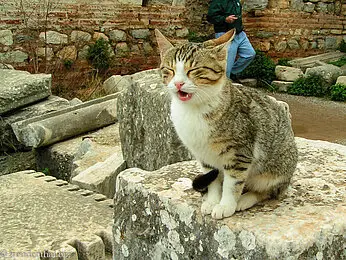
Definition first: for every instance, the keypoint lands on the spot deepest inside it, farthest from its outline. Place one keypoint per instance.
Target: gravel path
(316, 118)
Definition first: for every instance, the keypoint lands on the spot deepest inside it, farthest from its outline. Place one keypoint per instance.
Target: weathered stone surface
(281, 46)
(83, 53)
(293, 44)
(68, 53)
(67, 159)
(47, 129)
(184, 32)
(285, 73)
(101, 177)
(6, 37)
(282, 86)
(251, 5)
(115, 84)
(50, 218)
(249, 82)
(80, 36)
(4, 66)
(13, 56)
(53, 37)
(341, 80)
(331, 43)
(41, 53)
(8, 140)
(14, 162)
(147, 134)
(309, 7)
(329, 72)
(165, 220)
(19, 88)
(140, 33)
(98, 35)
(117, 35)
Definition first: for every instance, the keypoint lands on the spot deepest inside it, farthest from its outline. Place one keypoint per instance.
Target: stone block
(53, 37)
(251, 5)
(6, 37)
(67, 53)
(285, 73)
(67, 159)
(115, 84)
(117, 35)
(328, 72)
(148, 138)
(282, 86)
(47, 129)
(13, 57)
(20, 88)
(101, 177)
(140, 33)
(8, 140)
(80, 37)
(165, 220)
(249, 82)
(42, 52)
(59, 221)
(341, 80)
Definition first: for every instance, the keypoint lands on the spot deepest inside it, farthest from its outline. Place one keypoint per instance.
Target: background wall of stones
(282, 28)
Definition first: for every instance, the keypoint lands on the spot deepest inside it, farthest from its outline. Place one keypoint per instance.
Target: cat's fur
(245, 136)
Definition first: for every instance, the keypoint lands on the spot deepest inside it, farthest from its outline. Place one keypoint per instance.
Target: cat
(242, 139)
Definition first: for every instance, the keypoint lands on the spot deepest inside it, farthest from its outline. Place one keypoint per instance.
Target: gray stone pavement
(41, 214)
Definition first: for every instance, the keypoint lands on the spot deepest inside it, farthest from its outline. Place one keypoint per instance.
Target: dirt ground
(316, 118)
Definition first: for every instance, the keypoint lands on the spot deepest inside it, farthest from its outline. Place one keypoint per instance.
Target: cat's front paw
(207, 207)
(223, 211)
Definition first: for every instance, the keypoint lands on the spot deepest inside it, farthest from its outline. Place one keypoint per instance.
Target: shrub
(194, 37)
(99, 55)
(340, 62)
(262, 68)
(312, 85)
(68, 64)
(342, 46)
(338, 92)
(284, 62)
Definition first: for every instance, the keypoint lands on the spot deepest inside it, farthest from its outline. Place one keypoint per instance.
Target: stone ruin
(64, 161)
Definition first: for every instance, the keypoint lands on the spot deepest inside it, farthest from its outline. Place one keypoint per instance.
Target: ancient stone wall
(64, 29)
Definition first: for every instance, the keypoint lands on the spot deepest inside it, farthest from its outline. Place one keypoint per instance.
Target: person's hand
(231, 18)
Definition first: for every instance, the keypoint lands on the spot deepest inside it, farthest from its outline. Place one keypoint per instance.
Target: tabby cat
(243, 139)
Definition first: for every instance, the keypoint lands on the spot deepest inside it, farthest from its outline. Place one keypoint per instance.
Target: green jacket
(220, 9)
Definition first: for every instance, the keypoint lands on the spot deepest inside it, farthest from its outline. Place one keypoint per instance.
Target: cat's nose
(179, 85)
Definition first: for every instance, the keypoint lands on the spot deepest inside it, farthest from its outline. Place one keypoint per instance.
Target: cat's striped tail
(202, 181)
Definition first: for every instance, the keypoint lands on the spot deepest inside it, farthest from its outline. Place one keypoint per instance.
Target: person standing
(226, 15)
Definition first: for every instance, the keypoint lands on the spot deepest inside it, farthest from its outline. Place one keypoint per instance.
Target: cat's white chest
(193, 130)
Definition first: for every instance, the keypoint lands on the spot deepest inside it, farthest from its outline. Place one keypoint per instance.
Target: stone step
(39, 217)
(20, 88)
(165, 220)
(311, 61)
(63, 124)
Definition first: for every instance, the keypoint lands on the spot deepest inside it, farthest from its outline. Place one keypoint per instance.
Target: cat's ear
(162, 42)
(225, 38)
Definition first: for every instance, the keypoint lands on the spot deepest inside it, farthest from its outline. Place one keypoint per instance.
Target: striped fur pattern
(242, 138)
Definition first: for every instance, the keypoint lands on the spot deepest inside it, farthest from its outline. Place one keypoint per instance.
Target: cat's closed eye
(204, 75)
(167, 74)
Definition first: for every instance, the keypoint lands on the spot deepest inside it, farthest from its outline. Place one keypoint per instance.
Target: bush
(312, 85)
(99, 55)
(340, 62)
(284, 62)
(338, 92)
(262, 68)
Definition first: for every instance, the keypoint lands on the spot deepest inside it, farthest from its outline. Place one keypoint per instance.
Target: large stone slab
(48, 129)
(39, 213)
(147, 134)
(20, 88)
(285, 73)
(8, 140)
(165, 221)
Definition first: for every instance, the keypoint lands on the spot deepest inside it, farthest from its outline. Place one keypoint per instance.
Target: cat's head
(194, 72)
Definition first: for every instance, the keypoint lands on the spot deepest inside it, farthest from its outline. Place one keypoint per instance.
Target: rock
(341, 80)
(14, 57)
(309, 7)
(282, 86)
(293, 44)
(47, 129)
(75, 101)
(72, 225)
(67, 53)
(6, 37)
(83, 53)
(115, 84)
(165, 221)
(331, 43)
(284, 73)
(8, 140)
(4, 66)
(98, 35)
(122, 49)
(67, 159)
(117, 35)
(53, 37)
(281, 46)
(329, 72)
(252, 5)
(147, 47)
(181, 33)
(140, 33)
(80, 37)
(147, 134)
(20, 88)
(101, 177)
(249, 82)
(41, 53)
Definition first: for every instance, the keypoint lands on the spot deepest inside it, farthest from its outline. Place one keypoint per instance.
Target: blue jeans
(241, 46)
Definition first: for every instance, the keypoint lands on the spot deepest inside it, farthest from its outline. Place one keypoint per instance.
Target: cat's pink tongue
(183, 96)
